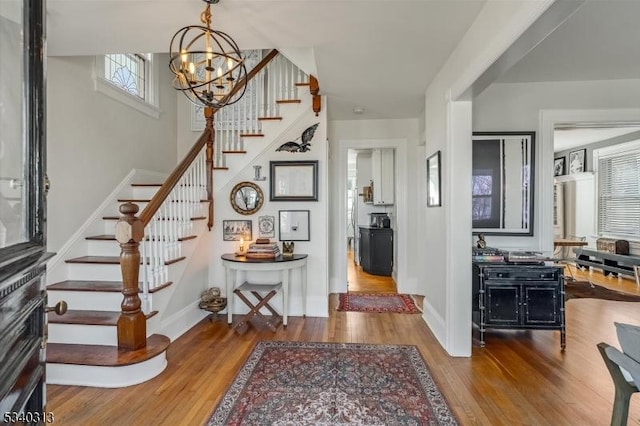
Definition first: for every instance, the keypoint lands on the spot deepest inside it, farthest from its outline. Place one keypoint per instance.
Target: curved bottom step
(105, 366)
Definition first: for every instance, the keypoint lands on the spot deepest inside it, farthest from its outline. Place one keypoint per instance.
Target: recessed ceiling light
(358, 110)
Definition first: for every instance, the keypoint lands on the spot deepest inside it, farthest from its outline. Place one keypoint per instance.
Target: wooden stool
(263, 302)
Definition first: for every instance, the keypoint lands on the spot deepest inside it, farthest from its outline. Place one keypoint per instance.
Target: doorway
(370, 214)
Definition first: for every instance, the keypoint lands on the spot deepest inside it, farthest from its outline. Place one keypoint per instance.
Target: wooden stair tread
(288, 101)
(101, 286)
(269, 118)
(220, 168)
(112, 237)
(145, 200)
(84, 317)
(145, 184)
(79, 285)
(110, 260)
(105, 356)
(302, 84)
(251, 135)
(118, 218)
(233, 152)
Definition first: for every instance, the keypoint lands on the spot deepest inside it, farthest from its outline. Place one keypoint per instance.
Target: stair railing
(166, 219)
(272, 85)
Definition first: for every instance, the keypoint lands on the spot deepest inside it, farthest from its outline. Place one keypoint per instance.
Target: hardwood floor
(518, 378)
(362, 282)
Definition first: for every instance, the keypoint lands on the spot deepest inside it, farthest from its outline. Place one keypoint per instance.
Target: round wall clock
(266, 226)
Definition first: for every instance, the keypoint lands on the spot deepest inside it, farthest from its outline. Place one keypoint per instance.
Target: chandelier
(207, 64)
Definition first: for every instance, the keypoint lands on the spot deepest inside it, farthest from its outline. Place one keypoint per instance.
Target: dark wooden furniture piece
(23, 213)
(518, 296)
(376, 250)
(610, 263)
(263, 302)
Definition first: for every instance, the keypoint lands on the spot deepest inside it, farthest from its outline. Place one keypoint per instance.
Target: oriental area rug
(587, 290)
(377, 302)
(302, 383)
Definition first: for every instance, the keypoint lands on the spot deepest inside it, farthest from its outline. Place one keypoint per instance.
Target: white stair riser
(106, 377)
(103, 248)
(144, 192)
(94, 272)
(87, 300)
(83, 334)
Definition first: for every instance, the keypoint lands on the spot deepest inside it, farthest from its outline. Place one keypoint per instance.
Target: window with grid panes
(127, 71)
(619, 192)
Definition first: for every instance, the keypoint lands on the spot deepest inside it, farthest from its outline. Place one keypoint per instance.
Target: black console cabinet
(376, 250)
(518, 297)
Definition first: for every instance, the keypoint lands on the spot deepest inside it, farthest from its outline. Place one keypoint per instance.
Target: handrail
(157, 200)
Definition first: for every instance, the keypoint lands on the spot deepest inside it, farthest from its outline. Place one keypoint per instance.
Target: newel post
(132, 324)
(314, 89)
(208, 115)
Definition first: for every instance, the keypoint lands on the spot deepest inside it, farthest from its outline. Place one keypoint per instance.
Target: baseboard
(182, 321)
(435, 322)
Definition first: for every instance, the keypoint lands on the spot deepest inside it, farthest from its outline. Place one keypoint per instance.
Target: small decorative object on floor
(377, 303)
(287, 248)
(352, 383)
(211, 301)
(481, 242)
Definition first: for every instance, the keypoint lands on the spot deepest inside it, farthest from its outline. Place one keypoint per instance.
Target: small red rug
(377, 302)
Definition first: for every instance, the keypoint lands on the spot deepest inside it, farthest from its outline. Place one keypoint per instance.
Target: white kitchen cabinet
(383, 176)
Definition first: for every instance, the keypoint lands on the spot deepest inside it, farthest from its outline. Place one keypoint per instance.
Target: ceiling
(564, 139)
(377, 54)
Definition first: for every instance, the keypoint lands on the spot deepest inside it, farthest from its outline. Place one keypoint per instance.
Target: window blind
(619, 195)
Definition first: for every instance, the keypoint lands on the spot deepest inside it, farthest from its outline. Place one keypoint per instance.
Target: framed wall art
(577, 161)
(503, 169)
(433, 181)
(234, 230)
(559, 166)
(293, 180)
(266, 226)
(294, 225)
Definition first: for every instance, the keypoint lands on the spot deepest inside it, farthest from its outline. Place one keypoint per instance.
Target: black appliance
(379, 220)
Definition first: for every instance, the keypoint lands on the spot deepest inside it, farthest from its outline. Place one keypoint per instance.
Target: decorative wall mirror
(246, 198)
(502, 187)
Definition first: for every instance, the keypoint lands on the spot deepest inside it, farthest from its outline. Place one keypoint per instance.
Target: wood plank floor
(518, 378)
(362, 282)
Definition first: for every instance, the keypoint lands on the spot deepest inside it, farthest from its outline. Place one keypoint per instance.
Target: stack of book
(263, 249)
(488, 254)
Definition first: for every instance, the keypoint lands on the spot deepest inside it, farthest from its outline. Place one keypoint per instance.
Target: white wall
(93, 141)
(316, 248)
(517, 106)
(409, 165)
(447, 232)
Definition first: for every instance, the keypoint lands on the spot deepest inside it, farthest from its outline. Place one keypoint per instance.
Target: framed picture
(576, 161)
(433, 180)
(294, 225)
(234, 230)
(502, 182)
(266, 226)
(559, 166)
(293, 180)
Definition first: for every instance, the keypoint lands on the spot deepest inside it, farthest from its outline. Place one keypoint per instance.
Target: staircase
(83, 343)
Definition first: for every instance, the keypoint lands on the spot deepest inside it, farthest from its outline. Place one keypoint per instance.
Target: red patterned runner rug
(377, 302)
(302, 383)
